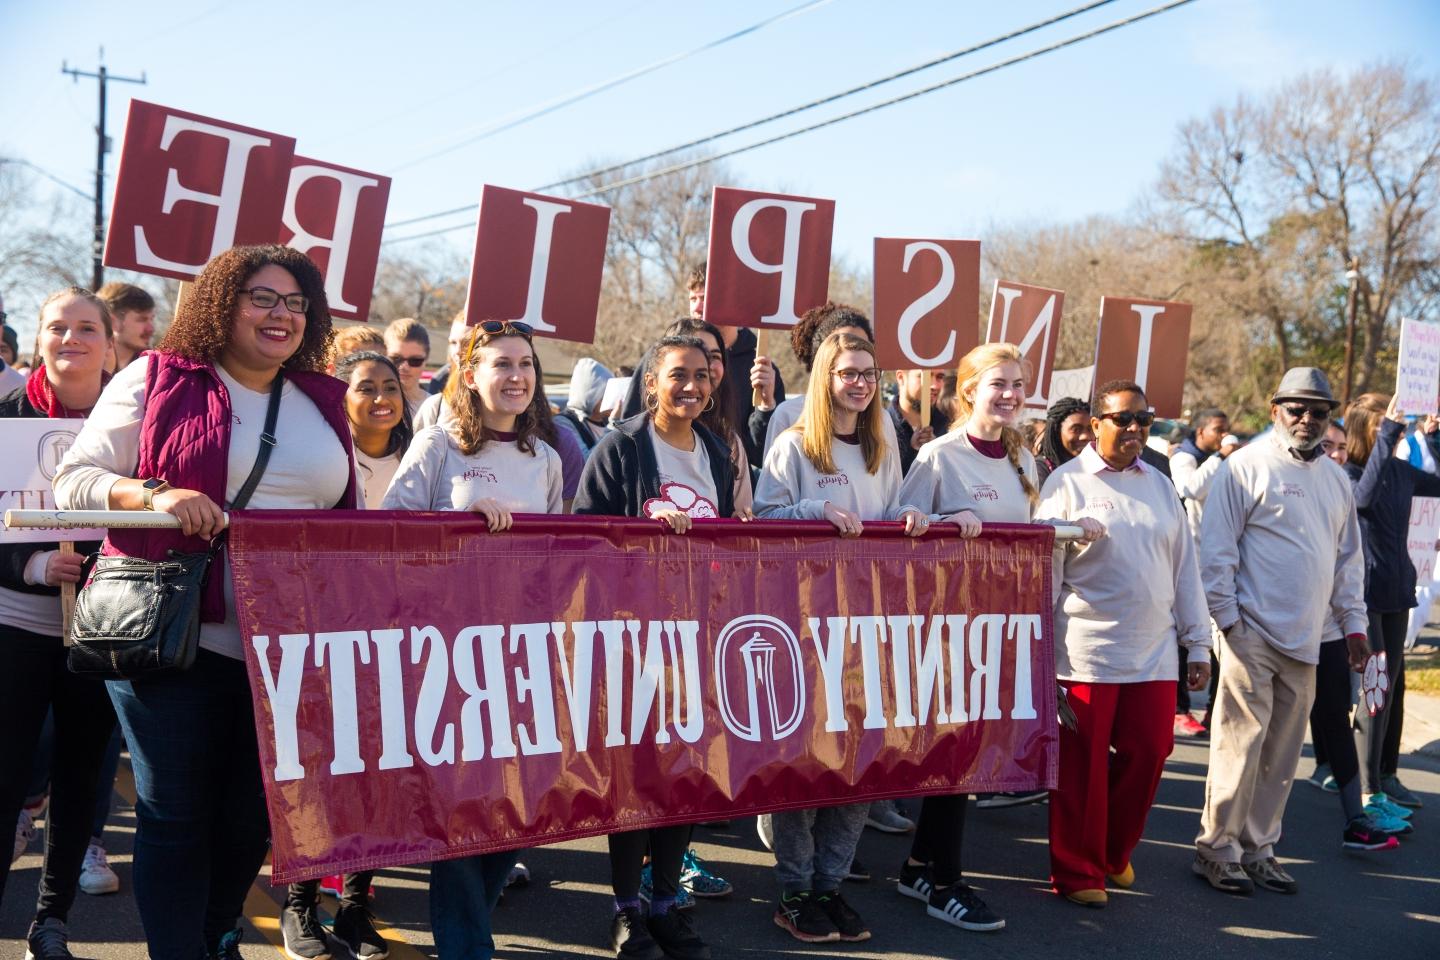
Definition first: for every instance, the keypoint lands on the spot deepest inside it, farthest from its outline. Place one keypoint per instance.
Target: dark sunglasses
(1124, 418)
(408, 361)
(1296, 411)
(506, 326)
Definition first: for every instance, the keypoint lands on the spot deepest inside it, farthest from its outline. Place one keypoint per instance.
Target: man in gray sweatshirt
(1280, 558)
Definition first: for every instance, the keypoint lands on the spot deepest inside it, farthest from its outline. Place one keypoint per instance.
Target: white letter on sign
(916, 311)
(1142, 355)
(788, 267)
(226, 202)
(545, 214)
(339, 244)
(1039, 328)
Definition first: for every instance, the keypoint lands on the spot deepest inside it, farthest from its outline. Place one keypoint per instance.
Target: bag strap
(267, 443)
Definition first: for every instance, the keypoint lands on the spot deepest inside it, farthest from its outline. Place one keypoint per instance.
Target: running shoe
(1363, 833)
(1381, 804)
(887, 818)
(676, 936)
(355, 927)
(765, 829)
(800, 916)
(684, 900)
(961, 906)
(696, 877)
(1321, 774)
(1224, 875)
(96, 877)
(1269, 874)
(630, 937)
(847, 922)
(1398, 792)
(48, 940)
(1014, 798)
(1188, 726)
(914, 883)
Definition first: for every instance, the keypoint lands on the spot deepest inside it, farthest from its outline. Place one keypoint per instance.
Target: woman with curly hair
(180, 434)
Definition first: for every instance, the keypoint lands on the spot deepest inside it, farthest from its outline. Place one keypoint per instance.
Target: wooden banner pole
(67, 596)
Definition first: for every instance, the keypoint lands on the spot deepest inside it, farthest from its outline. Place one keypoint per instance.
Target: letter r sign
(926, 302)
(769, 257)
(335, 216)
(538, 260)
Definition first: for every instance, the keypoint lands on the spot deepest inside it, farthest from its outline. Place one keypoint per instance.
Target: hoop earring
(709, 404)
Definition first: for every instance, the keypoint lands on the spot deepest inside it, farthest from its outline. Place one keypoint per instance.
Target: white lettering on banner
(545, 213)
(933, 298)
(226, 202)
(1038, 328)
(789, 265)
(339, 243)
(759, 678)
(1147, 330)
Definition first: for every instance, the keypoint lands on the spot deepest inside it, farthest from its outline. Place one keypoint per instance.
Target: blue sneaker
(1378, 803)
(696, 878)
(683, 899)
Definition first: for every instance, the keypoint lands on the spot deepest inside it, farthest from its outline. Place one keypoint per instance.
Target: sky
(384, 87)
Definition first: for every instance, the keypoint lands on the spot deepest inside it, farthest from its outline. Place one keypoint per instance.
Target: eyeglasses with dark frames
(851, 377)
(265, 299)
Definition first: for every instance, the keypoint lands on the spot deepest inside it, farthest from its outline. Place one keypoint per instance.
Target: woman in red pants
(1123, 603)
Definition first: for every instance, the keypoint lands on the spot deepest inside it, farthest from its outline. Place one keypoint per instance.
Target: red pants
(1098, 812)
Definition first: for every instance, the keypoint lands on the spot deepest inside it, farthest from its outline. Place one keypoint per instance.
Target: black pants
(939, 835)
(666, 846)
(1377, 738)
(356, 890)
(1330, 714)
(34, 680)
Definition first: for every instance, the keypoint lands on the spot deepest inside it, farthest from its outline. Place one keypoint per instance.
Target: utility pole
(1352, 276)
(102, 147)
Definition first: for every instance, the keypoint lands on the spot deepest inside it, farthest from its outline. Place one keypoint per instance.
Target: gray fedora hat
(1305, 383)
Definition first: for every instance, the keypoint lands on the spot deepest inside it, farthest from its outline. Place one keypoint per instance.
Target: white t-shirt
(308, 468)
(791, 488)
(688, 468)
(949, 475)
(375, 475)
(435, 475)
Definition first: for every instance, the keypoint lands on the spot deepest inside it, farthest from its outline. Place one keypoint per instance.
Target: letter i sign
(538, 260)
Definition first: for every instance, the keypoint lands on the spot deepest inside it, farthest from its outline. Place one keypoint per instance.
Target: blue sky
(376, 85)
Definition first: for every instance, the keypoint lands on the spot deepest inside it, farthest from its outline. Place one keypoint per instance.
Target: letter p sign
(769, 257)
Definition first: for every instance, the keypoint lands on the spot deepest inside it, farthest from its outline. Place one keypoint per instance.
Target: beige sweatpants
(1257, 727)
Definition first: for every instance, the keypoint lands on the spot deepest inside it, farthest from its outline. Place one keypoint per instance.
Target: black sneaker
(47, 940)
(229, 946)
(353, 927)
(914, 883)
(675, 932)
(857, 872)
(1362, 834)
(961, 906)
(1017, 798)
(800, 916)
(630, 937)
(847, 921)
(301, 930)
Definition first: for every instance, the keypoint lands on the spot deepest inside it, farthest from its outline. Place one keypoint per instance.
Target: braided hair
(1052, 445)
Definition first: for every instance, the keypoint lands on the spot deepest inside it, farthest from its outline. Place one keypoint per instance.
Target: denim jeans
(463, 893)
(203, 831)
(813, 848)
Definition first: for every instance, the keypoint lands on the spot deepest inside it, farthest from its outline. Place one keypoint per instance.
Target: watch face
(154, 483)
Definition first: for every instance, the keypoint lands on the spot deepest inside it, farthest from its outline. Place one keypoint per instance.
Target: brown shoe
(1125, 879)
(1095, 899)
(1223, 875)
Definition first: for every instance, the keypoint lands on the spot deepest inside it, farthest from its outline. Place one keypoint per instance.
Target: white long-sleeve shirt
(950, 475)
(1280, 548)
(1126, 598)
(435, 475)
(1192, 481)
(791, 488)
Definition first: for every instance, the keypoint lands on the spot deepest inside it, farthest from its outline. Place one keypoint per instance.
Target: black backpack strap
(267, 443)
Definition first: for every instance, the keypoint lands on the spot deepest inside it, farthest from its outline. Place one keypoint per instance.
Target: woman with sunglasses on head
(181, 433)
(662, 464)
(74, 337)
(1124, 601)
(837, 464)
(978, 472)
(490, 459)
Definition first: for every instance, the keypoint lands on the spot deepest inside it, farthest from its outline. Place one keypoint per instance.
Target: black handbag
(137, 617)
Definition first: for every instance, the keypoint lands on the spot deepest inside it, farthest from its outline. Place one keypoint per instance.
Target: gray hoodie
(587, 385)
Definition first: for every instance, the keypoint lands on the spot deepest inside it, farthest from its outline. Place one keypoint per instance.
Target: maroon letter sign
(925, 297)
(1147, 341)
(335, 216)
(616, 677)
(190, 187)
(538, 260)
(1028, 317)
(769, 257)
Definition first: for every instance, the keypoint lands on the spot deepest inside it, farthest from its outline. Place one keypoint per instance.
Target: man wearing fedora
(1280, 558)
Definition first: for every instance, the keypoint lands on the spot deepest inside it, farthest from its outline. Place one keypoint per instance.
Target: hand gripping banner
(424, 689)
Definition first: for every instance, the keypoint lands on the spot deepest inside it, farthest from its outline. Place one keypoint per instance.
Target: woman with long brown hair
(180, 433)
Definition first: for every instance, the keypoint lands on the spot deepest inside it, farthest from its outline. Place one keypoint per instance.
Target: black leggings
(939, 836)
(1330, 714)
(1377, 738)
(666, 846)
(355, 889)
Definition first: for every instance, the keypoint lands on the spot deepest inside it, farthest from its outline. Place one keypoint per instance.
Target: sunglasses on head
(506, 326)
(1319, 412)
(1124, 418)
(407, 361)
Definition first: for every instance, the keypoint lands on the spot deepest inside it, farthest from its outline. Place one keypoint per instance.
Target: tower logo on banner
(1029, 317)
(769, 257)
(1147, 341)
(925, 296)
(759, 682)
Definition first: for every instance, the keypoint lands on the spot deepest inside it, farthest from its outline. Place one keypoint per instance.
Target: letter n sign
(926, 302)
(538, 260)
(1028, 317)
(189, 188)
(1147, 341)
(769, 257)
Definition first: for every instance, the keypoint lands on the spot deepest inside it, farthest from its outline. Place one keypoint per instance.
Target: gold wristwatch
(148, 490)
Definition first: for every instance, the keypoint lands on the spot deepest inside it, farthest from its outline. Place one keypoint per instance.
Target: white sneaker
(24, 834)
(96, 877)
(765, 830)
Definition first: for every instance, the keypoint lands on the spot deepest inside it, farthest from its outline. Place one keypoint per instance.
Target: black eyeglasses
(265, 299)
(1125, 418)
(506, 326)
(852, 377)
(408, 361)
(1320, 412)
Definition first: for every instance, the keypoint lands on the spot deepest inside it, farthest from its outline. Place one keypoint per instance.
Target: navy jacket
(622, 472)
(1384, 487)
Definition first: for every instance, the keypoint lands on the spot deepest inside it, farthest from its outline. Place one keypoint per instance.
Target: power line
(994, 41)
(586, 92)
(701, 161)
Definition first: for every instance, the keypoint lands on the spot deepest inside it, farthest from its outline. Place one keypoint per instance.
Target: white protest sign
(1077, 382)
(614, 395)
(34, 449)
(1420, 539)
(1417, 374)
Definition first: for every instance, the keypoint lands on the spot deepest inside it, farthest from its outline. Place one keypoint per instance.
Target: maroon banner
(335, 216)
(426, 690)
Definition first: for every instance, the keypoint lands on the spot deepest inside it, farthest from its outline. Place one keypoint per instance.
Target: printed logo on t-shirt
(236, 418)
(677, 496)
(1292, 490)
(833, 480)
(1100, 503)
(480, 473)
(984, 491)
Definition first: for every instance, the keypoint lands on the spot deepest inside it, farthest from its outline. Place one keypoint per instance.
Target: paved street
(1384, 904)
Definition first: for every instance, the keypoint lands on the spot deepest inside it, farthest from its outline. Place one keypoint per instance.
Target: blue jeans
(813, 848)
(203, 831)
(462, 895)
